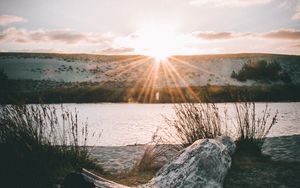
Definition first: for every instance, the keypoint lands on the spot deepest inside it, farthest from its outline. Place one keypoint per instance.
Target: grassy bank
(22, 91)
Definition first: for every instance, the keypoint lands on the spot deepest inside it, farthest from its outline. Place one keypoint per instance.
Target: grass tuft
(252, 128)
(155, 155)
(195, 121)
(40, 145)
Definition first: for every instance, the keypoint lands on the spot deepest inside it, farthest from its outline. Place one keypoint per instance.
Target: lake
(126, 124)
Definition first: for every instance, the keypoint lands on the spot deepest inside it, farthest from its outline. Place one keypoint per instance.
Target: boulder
(203, 164)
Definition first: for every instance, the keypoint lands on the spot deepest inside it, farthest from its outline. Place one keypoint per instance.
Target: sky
(150, 27)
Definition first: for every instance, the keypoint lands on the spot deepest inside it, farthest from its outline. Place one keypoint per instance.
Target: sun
(157, 41)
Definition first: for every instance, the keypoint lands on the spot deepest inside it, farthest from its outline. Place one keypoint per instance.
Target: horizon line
(102, 54)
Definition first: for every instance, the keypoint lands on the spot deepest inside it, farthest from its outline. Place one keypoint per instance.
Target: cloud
(211, 35)
(283, 34)
(230, 3)
(295, 46)
(296, 16)
(43, 50)
(8, 19)
(70, 41)
(66, 36)
(122, 50)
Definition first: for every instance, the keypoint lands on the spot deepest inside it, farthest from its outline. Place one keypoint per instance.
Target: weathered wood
(203, 164)
(83, 178)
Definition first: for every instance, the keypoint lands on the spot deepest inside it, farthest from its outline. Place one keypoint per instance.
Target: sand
(118, 159)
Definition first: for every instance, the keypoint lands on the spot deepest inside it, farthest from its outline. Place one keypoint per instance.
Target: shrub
(261, 70)
(252, 129)
(40, 146)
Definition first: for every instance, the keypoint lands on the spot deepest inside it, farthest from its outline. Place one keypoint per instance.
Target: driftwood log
(83, 178)
(203, 164)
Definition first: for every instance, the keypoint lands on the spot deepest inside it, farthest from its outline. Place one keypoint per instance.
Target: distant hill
(36, 72)
(127, 71)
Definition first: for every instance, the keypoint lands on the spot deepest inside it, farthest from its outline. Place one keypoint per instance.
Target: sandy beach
(118, 159)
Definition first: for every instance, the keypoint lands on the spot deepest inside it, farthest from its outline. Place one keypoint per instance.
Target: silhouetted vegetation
(39, 146)
(261, 70)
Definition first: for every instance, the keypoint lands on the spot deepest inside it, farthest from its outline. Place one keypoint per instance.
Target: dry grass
(154, 157)
(252, 128)
(143, 170)
(195, 121)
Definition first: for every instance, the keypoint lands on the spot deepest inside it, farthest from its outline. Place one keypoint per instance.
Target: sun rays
(157, 73)
(157, 69)
(156, 40)
(151, 80)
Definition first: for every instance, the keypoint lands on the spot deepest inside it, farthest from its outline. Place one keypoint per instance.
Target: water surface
(126, 124)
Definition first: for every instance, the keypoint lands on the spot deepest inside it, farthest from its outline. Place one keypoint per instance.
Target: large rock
(203, 164)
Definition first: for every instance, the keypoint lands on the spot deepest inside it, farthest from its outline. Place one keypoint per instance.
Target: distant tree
(233, 74)
(272, 71)
(261, 70)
